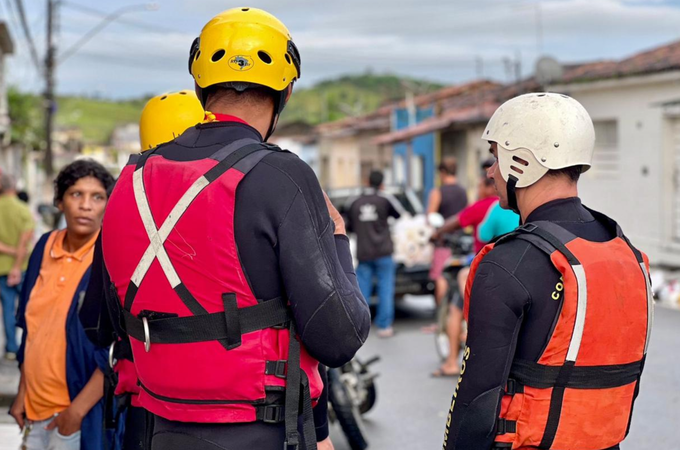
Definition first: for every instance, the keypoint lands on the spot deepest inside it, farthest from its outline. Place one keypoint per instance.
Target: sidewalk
(9, 375)
(9, 382)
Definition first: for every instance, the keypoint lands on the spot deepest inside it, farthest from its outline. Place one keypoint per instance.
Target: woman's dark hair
(69, 175)
(449, 165)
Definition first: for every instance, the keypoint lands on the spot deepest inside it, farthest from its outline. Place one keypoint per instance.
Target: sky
(447, 41)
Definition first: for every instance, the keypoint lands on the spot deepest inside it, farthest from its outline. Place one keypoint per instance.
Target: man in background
(472, 216)
(447, 200)
(16, 232)
(367, 218)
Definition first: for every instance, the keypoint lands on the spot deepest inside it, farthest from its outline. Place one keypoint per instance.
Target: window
(607, 157)
(399, 170)
(417, 173)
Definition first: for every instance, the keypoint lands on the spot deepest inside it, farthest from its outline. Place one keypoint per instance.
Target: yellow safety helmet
(242, 48)
(167, 116)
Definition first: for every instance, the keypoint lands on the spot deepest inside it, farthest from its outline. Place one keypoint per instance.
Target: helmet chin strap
(512, 195)
(279, 103)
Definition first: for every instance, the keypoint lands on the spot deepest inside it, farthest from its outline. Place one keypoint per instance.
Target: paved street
(410, 413)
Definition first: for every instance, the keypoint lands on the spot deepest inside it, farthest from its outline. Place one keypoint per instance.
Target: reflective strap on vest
(157, 237)
(650, 304)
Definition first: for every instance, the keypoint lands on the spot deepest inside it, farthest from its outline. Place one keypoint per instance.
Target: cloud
(422, 38)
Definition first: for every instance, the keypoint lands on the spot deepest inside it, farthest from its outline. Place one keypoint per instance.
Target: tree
(26, 116)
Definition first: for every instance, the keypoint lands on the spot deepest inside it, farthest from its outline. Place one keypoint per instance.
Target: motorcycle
(352, 393)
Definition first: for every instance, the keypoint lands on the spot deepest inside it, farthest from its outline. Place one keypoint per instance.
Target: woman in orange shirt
(59, 405)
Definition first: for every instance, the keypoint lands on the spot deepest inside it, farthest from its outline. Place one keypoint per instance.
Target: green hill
(349, 95)
(328, 100)
(95, 117)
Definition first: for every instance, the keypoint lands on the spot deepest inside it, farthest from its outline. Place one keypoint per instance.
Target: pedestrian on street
(471, 216)
(232, 271)
(59, 404)
(447, 200)
(368, 217)
(16, 234)
(164, 118)
(560, 311)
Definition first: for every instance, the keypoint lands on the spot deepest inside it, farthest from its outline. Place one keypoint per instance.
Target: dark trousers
(138, 429)
(169, 435)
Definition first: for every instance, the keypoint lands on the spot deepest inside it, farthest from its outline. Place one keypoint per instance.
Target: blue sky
(436, 40)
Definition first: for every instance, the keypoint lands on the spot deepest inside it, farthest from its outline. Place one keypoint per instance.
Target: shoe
(386, 332)
(11, 356)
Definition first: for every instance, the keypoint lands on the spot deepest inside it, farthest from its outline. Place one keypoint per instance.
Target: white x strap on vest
(157, 237)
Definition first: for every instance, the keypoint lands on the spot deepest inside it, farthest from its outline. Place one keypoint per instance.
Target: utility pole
(49, 103)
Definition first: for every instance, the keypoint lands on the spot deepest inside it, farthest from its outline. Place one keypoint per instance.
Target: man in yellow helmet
(164, 118)
(232, 273)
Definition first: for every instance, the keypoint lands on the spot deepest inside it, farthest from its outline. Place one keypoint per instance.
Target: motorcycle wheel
(345, 412)
(371, 398)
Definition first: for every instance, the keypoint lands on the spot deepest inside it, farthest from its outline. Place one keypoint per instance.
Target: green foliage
(350, 95)
(97, 118)
(26, 115)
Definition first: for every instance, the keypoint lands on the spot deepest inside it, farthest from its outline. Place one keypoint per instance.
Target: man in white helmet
(560, 310)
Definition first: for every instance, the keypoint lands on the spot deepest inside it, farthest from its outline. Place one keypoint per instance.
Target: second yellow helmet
(167, 116)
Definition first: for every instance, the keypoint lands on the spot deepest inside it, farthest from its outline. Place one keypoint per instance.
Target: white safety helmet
(547, 131)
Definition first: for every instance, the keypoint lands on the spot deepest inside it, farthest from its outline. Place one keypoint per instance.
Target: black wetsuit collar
(562, 210)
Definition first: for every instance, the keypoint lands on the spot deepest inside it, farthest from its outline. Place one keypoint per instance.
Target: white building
(635, 106)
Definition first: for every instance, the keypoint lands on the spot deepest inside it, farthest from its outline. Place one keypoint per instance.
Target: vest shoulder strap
(546, 236)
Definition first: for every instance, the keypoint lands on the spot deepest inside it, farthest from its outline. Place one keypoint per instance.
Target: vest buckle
(111, 358)
(147, 334)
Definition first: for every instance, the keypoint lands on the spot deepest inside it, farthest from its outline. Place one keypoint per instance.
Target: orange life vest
(579, 395)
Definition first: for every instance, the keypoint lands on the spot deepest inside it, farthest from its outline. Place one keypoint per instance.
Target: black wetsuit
(286, 244)
(511, 315)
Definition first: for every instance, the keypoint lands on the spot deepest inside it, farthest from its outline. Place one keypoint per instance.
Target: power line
(106, 21)
(27, 33)
(136, 23)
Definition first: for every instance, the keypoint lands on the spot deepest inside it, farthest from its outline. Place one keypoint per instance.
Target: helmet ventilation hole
(183, 92)
(245, 9)
(288, 59)
(264, 57)
(515, 169)
(164, 97)
(219, 54)
(520, 161)
(197, 55)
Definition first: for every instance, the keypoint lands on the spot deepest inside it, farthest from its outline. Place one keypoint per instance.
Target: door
(675, 137)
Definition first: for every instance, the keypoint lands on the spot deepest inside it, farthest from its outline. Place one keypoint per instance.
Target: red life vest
(579, 395)
(205, 349)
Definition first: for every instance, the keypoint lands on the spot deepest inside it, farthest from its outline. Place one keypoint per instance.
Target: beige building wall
(339, 161)
(634, 177)
(469, 150)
